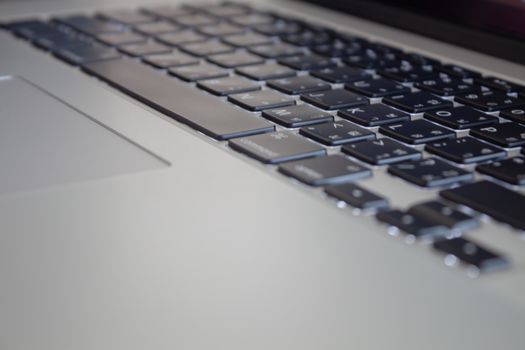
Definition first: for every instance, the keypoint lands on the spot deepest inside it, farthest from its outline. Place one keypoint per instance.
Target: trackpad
(44, 142)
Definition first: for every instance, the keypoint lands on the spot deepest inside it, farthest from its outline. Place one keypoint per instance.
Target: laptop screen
(496, 27)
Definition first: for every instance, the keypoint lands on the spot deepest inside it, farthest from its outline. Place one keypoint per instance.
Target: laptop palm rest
(45, 142)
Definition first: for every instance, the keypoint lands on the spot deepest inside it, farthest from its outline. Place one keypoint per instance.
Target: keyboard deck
(325, 108)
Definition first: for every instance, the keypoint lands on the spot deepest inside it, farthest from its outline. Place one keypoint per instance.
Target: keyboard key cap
(90, 25)
(337, 133)
(81, 54)
(374, 115)
(298, 85)
(207, 48)
(377, 87)
(430, 172)
(247, 40)
(143, 49)
(157, 27)
(340, 75)
(328, 170)
(307, 62)
(445, 215)
(279, 50)
(198, 72)
(412, 224)
(235, 59)
(277, 147)
(220, 29)
(516, 114)
(174, 59)
(457, 71)
(465, 150)
(381, 151)
(444, 85)
(228, 86)
(126, 17)
(491, 199)
(489, 100)
(416, 132)
(186, 36)
(468, 252)
(121, 38)
(252, 19)
(499, 84)
(461, 117)
(259, 100)
(405, 72)
(334, 99)
(357, 196)
(505, 134)
(417, 102)
(266, 71)
(195, 20)
(211, 115)
(510, 170)
(297, 115)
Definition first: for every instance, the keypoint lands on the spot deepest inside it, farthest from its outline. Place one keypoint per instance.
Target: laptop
(262, 175)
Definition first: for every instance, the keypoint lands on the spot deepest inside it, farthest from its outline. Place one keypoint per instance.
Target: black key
(510, 170)
(186, 36)
(221, 29)
(266, 71)
(81, 54)
(340, 75)
(58, 41)
(381, 151)
(198, 72)
(473, 254)
(174, 59)
(489, 101)
(196, 20)
(252, 19)
(444, 85)
(31, 29)
(491, 199)
(457, 71)
(412, 224)
(406, 72)
(277, 147)
(357, 196)
(416, 132)
(337, 133)
(210, 115)
(158, 27)
(235, 59)
(297, 115)
(279, 50)
(377, 87)
(143, 49)
(515, 114)
(430, 172)
(228, 85)
(505, 134)
(170, 12)
(461, 117)
(465, 150)
(259, 100)
(298, 85)
(247, 40)
(328, 170)
(90, 25)
(417, 102)
(207, 48)
(308, 38)
(307, 62)
(334, 99)
(127, 17)
(374, 115)
(444, 214)
(280, 28)
(499, 84)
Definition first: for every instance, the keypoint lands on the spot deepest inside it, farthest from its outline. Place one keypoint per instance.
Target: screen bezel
(508, 48)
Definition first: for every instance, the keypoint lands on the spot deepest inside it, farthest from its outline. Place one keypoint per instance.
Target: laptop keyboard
(327, 108)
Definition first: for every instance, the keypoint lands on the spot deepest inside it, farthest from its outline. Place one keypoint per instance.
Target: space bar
(203, 112)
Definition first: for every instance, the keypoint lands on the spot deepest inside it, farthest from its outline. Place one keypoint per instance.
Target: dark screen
(496, 27)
